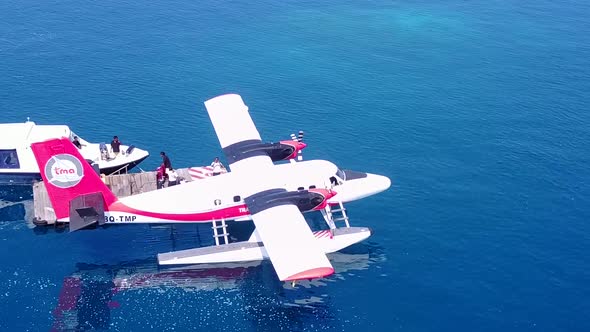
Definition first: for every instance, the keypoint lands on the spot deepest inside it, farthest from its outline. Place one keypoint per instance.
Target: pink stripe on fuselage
(231, 212)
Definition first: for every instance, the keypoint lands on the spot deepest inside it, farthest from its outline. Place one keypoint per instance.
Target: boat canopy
(13, 135)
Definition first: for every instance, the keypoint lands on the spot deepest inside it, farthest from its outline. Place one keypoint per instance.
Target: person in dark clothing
(166, 160)
(76, 142)
(116, 146)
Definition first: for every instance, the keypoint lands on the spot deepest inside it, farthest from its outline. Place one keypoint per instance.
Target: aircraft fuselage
(222, 196)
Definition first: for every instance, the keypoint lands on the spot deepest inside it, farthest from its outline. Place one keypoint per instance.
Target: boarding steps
(332, 215)
(220, 226)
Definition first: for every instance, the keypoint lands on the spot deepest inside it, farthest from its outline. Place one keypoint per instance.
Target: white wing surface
(237, 133)
(290, 244)
(231, 120)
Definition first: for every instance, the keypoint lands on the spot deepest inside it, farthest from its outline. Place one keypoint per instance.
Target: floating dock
(121, 185)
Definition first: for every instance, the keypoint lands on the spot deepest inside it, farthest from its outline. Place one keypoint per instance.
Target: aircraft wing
(287, 239)
(237, 133)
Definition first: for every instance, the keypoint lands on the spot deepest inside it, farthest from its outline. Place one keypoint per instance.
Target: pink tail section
(67, 175)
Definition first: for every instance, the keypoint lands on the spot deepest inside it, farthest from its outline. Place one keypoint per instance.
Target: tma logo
(64, 171)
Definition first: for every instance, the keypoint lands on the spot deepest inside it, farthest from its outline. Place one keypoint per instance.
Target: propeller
(298, 138)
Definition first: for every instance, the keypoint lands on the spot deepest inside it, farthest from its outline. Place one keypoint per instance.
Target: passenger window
(312, 187)
(237, 199)
(217, 202)
(300, 188)
(9, 159)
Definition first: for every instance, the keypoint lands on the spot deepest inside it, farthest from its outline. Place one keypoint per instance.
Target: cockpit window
(338, 178)
(341, 174)
(9, 159)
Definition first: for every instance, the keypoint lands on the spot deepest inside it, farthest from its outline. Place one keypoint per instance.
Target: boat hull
(130, 166)
(19, 178)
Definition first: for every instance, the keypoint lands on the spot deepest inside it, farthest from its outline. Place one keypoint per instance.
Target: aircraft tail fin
(68, 176)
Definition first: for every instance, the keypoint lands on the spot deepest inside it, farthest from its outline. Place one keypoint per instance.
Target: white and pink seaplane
(273, 196)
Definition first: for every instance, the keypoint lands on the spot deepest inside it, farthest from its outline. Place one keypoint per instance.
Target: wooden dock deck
(121, 185)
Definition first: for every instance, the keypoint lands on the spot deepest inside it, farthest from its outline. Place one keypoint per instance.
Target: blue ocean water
(476, 110)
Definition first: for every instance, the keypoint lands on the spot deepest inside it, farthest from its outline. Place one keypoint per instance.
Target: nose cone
(378, 183)
(359, 185)
(301, 145)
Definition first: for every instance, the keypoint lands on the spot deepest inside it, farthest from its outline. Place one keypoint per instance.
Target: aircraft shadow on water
(92, 295)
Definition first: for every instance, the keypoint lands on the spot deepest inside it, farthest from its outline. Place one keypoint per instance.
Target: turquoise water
(476, 110)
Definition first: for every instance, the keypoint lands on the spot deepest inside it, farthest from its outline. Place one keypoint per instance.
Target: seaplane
(258, 187)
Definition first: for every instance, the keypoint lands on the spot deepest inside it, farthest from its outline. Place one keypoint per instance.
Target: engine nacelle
(305, 200)
(316, 199)
(285, 150)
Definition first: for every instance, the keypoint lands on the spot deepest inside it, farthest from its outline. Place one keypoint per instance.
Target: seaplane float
(272, 195)
(17, 163)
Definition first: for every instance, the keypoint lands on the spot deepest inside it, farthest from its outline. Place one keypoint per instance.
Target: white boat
(18, 164)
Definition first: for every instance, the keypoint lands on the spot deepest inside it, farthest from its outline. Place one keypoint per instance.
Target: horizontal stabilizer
(86, 210)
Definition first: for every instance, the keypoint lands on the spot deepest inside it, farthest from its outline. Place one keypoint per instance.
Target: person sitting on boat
(217, 166)
(77, 143)
(116, 146)
(104, 152)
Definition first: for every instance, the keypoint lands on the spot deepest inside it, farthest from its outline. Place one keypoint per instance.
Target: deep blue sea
(478, 111)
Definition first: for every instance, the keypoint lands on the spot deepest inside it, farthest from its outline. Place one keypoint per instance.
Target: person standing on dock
(166, 160)
(160, 177)
(116, 146)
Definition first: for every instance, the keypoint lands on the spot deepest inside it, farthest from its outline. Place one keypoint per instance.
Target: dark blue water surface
(477, 111)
